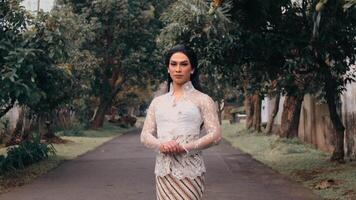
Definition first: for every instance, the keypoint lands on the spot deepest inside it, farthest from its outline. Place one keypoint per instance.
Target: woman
(173, 125)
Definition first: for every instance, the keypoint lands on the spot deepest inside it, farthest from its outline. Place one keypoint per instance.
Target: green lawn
(297, 160)
(77, 145)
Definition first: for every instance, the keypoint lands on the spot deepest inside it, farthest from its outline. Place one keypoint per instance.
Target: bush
(76, 130)
(26, 153)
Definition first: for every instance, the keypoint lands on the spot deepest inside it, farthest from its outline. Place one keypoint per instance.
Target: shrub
(26, 153)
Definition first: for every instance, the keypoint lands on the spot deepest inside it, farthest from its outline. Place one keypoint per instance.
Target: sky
(46, 5)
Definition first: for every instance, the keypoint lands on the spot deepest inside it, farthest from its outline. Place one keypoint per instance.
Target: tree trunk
(19, 122)
(110, 85)
(220, 109)
(131, 111)
(257, 101)
(45, 126)
(42, 125)
(25, 132)
(63, 119)
(331, 97)
(21, 125)
(99, 117)
(113, 114)
(50, 132)
(273, 114)
(290, 116)
(15, 137)
(32, 125)
(249, 108)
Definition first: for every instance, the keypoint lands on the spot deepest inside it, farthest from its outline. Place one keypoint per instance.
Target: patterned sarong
(171, 188)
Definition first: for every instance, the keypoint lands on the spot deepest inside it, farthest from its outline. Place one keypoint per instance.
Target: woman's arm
(211, 125)
(150, 128)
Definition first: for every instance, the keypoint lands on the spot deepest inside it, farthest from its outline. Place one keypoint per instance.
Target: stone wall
(315, 126)
(349, 119)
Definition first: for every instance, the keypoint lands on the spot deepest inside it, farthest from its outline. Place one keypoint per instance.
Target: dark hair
(186, 50)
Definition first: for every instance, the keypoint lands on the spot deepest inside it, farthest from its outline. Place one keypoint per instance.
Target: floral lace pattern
(168, 119)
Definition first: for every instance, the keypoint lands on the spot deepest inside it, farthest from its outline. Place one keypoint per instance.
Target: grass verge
(300, 161)
(76, 146)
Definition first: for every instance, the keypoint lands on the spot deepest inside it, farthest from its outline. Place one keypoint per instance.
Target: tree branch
(7, 108)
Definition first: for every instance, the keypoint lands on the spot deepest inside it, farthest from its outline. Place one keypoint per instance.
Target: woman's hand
(171, 147)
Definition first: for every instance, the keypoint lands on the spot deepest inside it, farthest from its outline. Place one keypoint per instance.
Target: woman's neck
(177, 89)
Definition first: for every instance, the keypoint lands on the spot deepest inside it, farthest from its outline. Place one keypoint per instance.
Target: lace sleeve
(211, 125)
(150, 129)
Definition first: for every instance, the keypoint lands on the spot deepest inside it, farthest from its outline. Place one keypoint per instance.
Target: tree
(273, 48)
(206, 28)
(311, 55)
(13, 24)
(258, 51)
(53, 79)
(31, 54)
(334, 53)
(119, 32)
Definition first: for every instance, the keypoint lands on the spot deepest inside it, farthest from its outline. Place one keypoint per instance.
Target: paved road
(122, 169)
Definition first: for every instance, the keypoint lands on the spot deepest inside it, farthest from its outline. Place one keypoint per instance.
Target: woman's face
(179, 68)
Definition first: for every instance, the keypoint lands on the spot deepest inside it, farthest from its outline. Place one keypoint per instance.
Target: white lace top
(181, 120)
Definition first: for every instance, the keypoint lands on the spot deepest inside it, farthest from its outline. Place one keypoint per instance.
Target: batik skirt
(170, 188)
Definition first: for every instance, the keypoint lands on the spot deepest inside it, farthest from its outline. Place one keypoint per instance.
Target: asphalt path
(122, 169)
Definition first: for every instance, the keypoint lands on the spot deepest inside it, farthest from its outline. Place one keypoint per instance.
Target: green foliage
(76, 130)
(334, 51)
(32, 51)
(12, 26)
(209, 33)
(120, 38)
(276, 42)
(267, 37)
(53, 80)
(25, 154)
(115, 48)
